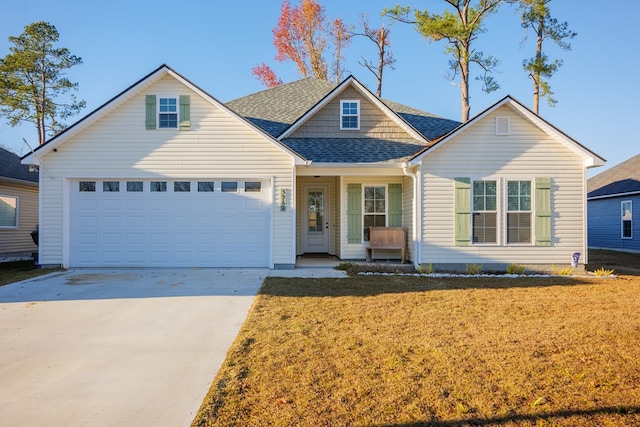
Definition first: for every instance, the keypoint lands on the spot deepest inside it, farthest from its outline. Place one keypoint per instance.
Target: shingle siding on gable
(217, 146)
(373, 123)
(605, 224)
(526, 154)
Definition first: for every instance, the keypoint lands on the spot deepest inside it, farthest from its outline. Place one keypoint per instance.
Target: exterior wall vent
(503, 126)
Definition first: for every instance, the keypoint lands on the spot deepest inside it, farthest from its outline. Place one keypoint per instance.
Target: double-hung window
(8, 211)
(168, 113)
(627, 220)
(519, 212)
(375, 208)
(350, 115)
(485, 212)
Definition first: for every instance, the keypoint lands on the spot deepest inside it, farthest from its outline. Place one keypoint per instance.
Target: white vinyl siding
(219, 146)
(526, 152)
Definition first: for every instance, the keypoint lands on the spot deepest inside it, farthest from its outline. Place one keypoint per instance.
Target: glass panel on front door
(316, 212)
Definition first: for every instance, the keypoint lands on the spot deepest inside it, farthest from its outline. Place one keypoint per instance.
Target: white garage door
(144, 223)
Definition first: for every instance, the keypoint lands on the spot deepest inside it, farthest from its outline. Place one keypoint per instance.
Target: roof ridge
(279, 87)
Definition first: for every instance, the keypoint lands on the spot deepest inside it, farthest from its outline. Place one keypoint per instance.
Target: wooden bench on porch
(387, 238)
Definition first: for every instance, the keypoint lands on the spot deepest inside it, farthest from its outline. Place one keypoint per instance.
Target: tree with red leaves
(266, 75)
(301, 36)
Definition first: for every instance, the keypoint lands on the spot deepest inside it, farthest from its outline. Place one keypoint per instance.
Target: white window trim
(502, 210)
(386, 205)
(498, 211)
(177, 98)
(342, 102)
(622, 219)
(531, 211)
(5, 227)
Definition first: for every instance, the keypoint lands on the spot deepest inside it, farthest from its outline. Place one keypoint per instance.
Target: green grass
(16, 271)
(410, 351)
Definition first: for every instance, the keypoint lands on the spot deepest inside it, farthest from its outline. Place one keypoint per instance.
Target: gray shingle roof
(275, 109)
(353, 150)
(620, 179)
(10, 167)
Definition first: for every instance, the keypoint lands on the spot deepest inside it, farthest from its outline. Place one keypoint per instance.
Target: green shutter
(150, 121)
(543, 212)
(185, 112)
(354, 213)
(463, 211)
(395, 205)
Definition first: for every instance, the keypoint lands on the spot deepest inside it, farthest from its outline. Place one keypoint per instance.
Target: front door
(316, 219)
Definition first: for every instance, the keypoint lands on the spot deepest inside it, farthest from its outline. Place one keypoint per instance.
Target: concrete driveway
(125, 347)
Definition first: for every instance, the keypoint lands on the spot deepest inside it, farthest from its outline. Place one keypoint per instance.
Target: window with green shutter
(168, 112)
(480, 217)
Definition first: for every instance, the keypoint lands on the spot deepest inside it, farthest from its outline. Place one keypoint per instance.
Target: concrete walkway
(125, 347)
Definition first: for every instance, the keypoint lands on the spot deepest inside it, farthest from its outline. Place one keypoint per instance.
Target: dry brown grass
(399, 351)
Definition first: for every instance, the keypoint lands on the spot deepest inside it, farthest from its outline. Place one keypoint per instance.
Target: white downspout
(416, 214)
(585, 218)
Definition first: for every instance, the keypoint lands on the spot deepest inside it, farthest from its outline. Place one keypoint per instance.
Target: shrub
(562, 271)
(514, 268)
(425, 269)
(602, 272)
(473, 269)
(349, 267)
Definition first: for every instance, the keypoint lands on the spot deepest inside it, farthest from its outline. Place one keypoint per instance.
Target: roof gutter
(18, 181)
(610, 196)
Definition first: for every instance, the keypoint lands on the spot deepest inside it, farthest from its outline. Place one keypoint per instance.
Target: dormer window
(350, 115)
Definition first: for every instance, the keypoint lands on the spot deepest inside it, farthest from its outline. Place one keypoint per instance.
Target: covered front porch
(334, 210)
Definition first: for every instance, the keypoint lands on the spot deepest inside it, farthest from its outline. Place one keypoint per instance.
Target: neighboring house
(166, 175)
(613, 201)
(18, 205)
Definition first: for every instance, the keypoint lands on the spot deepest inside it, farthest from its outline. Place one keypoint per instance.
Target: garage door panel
(111, 205)
(135, 257)
(159, 257)
(200, 229)
(111, 238)
(135, 239)
(159, 238)
(111, 257)
(88, 205)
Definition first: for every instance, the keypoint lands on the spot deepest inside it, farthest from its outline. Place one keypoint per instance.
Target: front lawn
(406, 351)
(16, 271)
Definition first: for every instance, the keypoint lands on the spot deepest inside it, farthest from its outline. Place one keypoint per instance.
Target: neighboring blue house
(613, 204)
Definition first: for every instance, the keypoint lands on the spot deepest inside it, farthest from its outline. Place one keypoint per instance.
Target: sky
(215, 44)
